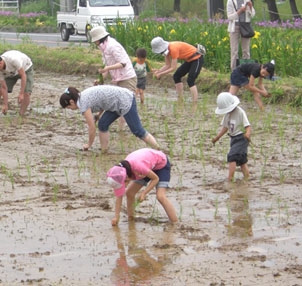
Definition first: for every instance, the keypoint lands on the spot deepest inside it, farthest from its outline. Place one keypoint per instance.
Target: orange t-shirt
(182, 51)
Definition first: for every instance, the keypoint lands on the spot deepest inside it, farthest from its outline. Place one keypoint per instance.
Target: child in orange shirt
(141, 67)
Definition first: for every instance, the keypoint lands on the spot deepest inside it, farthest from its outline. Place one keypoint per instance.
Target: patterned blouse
(107, 98)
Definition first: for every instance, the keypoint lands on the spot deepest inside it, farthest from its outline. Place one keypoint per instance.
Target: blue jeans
(131, 118)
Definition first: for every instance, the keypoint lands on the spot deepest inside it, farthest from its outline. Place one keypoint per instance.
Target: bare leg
(142, 96)
(104, 140)
(245, 171)
(130, 193)
(179, 89)
(194, 93)
(150, 140)
(137, 92)
(234, 89)
(122, 123)
(232, 169)
(258, 100)
(167, 205)
(24, 103)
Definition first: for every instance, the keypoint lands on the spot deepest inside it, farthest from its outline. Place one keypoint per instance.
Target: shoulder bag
(246, 29)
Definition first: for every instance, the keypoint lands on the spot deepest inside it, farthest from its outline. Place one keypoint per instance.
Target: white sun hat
(226, 102)
(159, 45)
(98, 33)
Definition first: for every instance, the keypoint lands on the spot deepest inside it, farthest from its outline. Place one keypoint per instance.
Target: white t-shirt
(235, 120)
(14, 61)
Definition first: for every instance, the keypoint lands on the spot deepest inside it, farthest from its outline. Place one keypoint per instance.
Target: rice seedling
(66, 176)
(55, 189)
(263, 169)
(281, 175)
(11, 178)
(216, 208)
(229, 214)
(180, 212)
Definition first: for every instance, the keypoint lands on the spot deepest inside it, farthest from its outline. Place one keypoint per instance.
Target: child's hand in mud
(214, 141)
(85, 147)
(114, 221)
(4, 109)
(96, 118)
(142, 197)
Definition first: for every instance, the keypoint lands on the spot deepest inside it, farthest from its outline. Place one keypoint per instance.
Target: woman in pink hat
(142, 166)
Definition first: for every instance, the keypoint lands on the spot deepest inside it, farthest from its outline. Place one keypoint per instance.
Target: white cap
(226, 102)
(159, 45)
(98, 33)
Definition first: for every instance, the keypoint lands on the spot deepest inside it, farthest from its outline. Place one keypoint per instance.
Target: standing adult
(173, 51)
(114, 101)
(243, 11)
(15, 65)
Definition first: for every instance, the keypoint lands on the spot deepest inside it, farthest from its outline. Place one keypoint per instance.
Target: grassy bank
(83, 60)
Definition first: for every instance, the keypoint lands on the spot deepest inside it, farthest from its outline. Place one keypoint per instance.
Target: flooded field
(56, 208)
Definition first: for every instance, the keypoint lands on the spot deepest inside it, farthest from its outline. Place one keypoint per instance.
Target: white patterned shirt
(106, 97)
(235, 120)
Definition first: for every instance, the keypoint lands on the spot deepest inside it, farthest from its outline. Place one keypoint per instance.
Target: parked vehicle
(91, 13)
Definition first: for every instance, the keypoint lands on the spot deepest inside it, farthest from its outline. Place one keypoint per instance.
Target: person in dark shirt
(244, 76)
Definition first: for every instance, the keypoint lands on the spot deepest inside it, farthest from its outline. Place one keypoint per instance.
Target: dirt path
(56, 209)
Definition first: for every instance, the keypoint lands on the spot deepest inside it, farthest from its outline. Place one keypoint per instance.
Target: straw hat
(159, 45)
(98, 33)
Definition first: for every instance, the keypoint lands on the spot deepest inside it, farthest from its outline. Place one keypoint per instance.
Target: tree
(294, 9)
(273, 11)
(137, 6)
(176, 5)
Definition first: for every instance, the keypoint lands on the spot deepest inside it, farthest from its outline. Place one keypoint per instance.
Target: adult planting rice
(173, 51)
(15, 65)
(111, 102)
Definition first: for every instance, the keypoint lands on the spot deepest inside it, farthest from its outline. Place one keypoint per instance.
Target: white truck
(91, 13)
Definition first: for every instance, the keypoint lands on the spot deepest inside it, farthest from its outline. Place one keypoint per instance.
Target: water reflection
(240, 218)
(134, 264)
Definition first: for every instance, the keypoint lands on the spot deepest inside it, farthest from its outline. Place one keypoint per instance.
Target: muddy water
(56, 208)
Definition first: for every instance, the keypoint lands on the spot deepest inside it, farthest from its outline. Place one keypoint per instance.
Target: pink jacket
(113, 53)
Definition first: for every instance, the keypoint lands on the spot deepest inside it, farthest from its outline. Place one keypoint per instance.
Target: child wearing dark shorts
(143, 167)
(141, 67)
(233, 120)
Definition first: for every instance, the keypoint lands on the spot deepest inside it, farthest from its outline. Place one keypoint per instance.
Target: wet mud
(56, 207)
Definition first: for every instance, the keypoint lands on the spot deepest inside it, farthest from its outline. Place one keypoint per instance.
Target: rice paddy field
(56, 207)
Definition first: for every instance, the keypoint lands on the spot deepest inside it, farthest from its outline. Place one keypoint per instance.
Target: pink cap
(116, 177)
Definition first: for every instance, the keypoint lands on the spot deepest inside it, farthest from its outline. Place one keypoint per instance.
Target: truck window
(101, 3)
(83, 3)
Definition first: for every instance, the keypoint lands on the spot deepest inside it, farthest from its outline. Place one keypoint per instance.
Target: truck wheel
(64, 33)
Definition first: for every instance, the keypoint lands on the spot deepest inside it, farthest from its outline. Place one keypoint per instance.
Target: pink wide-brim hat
(116, 177)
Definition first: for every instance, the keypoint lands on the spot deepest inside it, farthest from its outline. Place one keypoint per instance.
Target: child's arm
(154, 180)
(261, 86)
(252, 87)
(118, 206)
(220, 134)
(247, 133)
